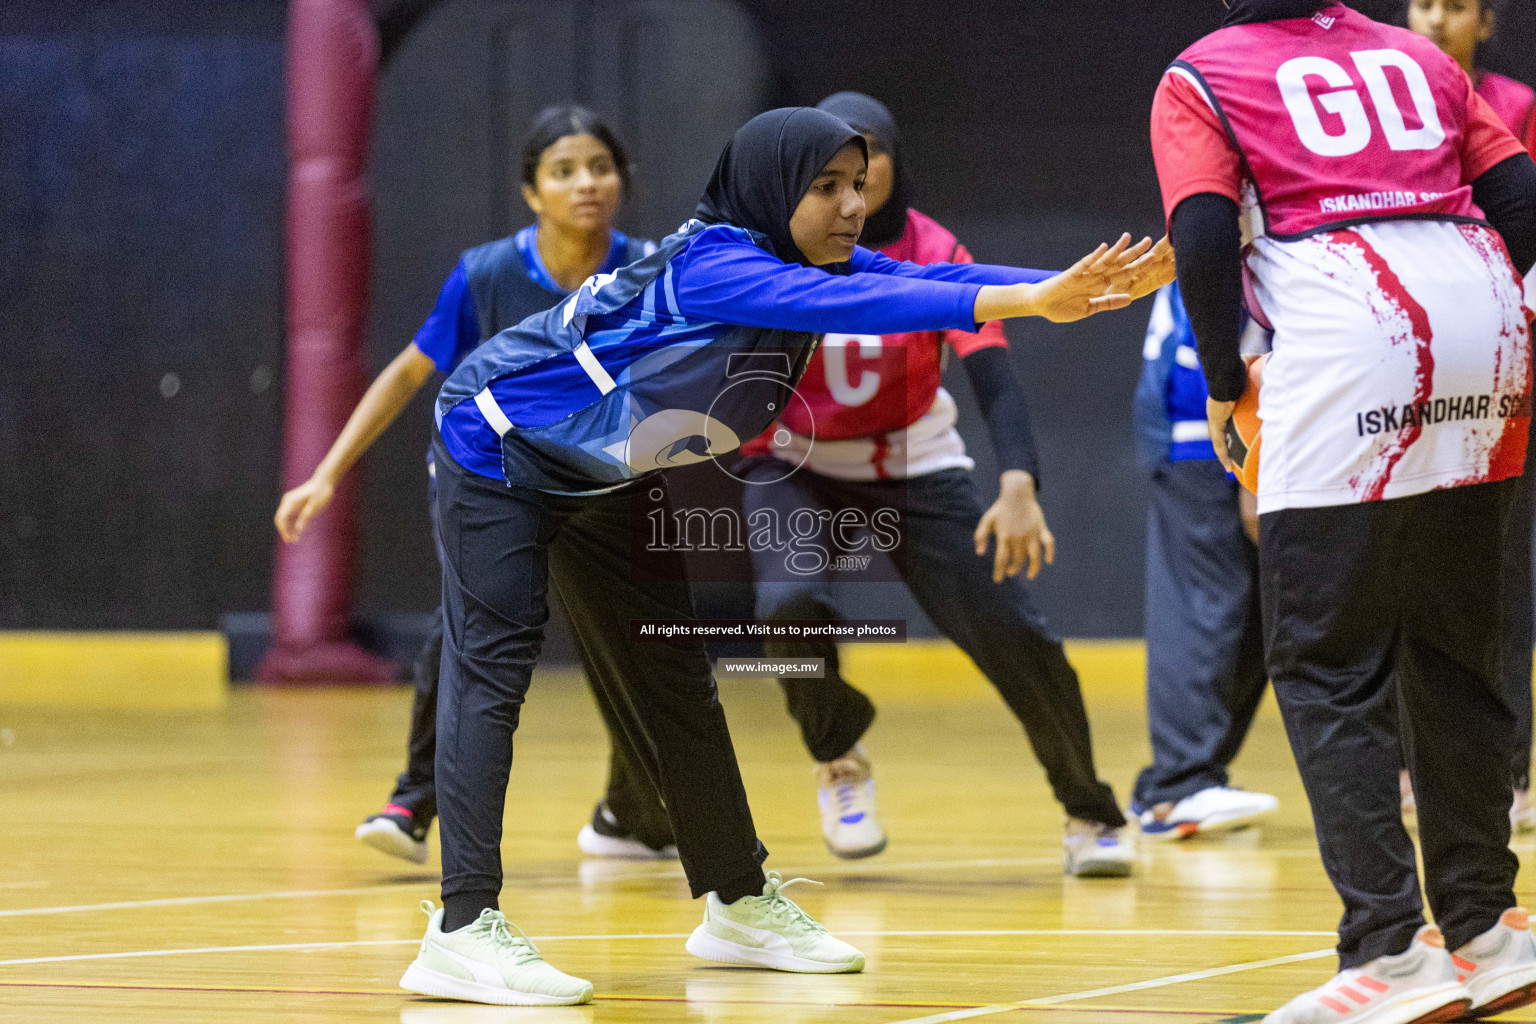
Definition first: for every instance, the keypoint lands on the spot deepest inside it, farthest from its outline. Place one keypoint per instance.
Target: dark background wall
(141, 175)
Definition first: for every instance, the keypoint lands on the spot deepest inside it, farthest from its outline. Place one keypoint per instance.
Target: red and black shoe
(396, 831)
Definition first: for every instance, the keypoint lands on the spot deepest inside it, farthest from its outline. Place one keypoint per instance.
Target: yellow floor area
(196, 866)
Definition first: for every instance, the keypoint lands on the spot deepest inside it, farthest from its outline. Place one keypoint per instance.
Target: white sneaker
(845, 789)
(1499, 966)
(1419, 986)
(604, 837)
(770, 931)
(490, 961)
(1093, 850)
(1212, 810)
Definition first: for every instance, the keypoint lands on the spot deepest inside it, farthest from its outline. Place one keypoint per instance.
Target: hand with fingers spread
(1086, 287)
(1082, 290)
(1018, 522)
(1148, 272)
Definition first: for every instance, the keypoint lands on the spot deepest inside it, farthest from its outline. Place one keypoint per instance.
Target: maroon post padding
(333, 53)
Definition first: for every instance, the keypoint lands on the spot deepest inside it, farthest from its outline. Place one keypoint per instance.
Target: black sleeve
(1507, 194)
(1208, 248)
(1002, 405)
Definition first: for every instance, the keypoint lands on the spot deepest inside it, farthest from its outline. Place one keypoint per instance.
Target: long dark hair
(564, 119)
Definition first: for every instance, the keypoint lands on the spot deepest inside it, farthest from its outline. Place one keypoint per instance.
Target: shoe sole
(1518, 986)
(1104, 869)
(594, 844)
(858, 854)
(427, 982)
(1212, 826)
(721, 951)
(387, 838)
(1425, 1008)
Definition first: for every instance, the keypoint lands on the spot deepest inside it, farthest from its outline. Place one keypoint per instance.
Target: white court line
(206, 949)
(277, 947)
(1219, 932)
(180, 901)
(859, 868)
(1135, 986)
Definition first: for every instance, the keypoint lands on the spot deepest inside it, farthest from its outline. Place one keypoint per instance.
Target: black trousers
(630, 796)
(501, 546)
(1354, 595)
(1205, 640)
(998, 625)
(1520, 616)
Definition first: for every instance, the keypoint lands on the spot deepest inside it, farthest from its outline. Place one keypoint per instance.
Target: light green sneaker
(490, 961)
(770, 931)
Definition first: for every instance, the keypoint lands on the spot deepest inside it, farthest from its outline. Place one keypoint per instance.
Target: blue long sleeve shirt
(661, 363)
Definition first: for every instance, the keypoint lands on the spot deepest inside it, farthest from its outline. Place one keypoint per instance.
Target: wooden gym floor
(200, 866)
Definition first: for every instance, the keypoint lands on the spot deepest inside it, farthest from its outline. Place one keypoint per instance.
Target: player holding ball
(1378, 209)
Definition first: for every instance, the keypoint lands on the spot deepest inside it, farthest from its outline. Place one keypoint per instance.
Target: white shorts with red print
(1401, 363)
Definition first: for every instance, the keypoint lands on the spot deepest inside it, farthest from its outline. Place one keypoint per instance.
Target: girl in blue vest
(549, 441)
(575, 176)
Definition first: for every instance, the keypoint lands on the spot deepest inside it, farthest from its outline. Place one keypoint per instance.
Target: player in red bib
(1459, 27)
(1376, 208)
(875, 434)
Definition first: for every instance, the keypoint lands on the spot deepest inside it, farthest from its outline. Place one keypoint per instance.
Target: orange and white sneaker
(1418, 986)
(1499, 966)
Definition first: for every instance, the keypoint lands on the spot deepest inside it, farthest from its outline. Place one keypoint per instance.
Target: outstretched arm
(1101, 281)
(735, 282)
(1145, 268)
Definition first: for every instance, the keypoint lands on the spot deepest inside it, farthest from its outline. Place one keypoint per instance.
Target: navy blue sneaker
(398, 832)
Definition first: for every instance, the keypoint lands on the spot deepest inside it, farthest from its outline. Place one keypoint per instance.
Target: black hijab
(868, 116)
(766, 168)
(1244, 12)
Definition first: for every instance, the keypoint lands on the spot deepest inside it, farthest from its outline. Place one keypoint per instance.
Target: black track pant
(500, 547)
(1351, 595)
(630, 796)
(998, 625)
(1519, 627)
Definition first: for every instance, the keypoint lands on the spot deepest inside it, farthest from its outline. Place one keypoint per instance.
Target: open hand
(1088, 286)
(1018, 522)
(1149, 272)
